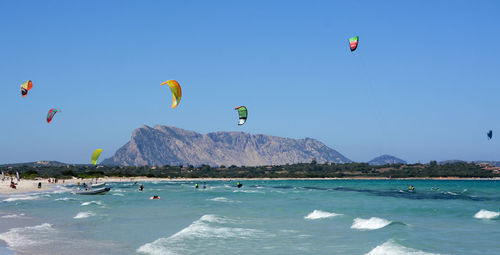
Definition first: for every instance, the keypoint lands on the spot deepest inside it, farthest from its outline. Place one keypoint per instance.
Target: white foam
(17, 198)
(82, 215)
(370, 224)
(13, 216)
(392, 248)
(91, 202)
(249, 191)
(28, 236)
(222, 199)
(61, 189)
(118, 194)
(203, 230)
(318, 214)
(64, 199)
(485, 214)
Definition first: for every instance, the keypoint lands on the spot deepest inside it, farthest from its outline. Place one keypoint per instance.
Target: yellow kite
(176, 91)
(95, 156)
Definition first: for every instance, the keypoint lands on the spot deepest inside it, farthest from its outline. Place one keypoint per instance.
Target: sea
(371, 217)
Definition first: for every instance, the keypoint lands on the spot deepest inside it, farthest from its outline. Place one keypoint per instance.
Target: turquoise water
(263, 217)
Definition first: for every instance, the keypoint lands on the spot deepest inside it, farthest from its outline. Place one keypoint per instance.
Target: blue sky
(423, 84)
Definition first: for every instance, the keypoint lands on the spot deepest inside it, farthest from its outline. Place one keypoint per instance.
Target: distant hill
(451, 161)
(386, 159)
(163, 145)
(37, 163)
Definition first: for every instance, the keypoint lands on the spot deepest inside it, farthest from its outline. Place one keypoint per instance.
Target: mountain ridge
(386, 159)
(167, 145)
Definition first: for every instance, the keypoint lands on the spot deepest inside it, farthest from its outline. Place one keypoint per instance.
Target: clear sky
(423, 85)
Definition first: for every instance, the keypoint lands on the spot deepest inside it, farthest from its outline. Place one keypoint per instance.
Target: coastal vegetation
(301, 170)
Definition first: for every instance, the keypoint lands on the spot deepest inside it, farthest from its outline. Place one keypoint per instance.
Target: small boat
(98, 185)
(99, 191)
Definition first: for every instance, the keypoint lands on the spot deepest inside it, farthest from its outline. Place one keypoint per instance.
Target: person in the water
(411, 188)
(196, 185)
(141, 188)
(239, 185)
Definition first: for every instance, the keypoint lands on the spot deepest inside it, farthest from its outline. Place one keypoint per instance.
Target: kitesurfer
(411, 188)
(141, 188)
(239, 185)
(196, 185)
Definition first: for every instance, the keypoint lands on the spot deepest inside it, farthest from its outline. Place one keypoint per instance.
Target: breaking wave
(12, 199)
(222, 199)
(83, 215)
(370, 224)
(91, 202)
(19, 238)
(485, 214)
(13, 216)
(392, 248)
(207, 230)
(318, 214)
(65, 199)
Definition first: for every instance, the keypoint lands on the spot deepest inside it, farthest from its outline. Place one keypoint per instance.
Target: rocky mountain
(163, 145)
(386, 159)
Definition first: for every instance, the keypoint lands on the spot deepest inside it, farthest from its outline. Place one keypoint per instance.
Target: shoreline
(28, 186)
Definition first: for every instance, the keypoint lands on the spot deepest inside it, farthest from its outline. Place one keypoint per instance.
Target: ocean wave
(61, 189)
(318, 214)
(392, 248)
(64, 199)
(370, 224)
(118, 194)
(17, 198)
(222, 199)
(249, 191)
(13, 216)
(205, 230)
(83, 215)
(91, 202)
(28, 236)
(485, 214)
